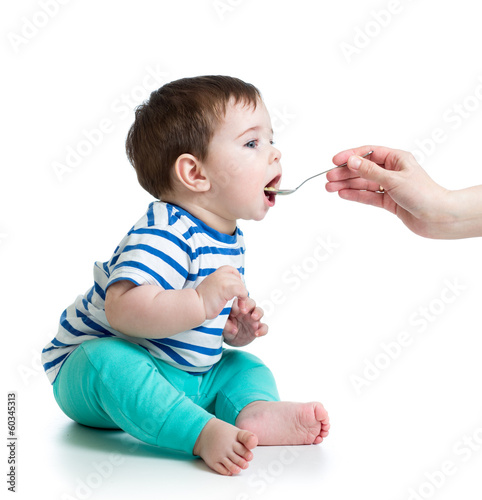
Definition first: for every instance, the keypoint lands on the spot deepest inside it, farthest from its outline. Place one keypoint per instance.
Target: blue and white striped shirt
(170, 248)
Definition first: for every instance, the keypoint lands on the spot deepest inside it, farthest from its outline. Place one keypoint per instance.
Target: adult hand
(424, 207)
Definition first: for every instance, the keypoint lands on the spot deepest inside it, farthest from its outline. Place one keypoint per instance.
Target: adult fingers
(352, 183)
(381, 200)
(370, 171)
(378, 155)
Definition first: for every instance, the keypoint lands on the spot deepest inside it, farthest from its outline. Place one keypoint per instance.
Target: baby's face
(242, 161)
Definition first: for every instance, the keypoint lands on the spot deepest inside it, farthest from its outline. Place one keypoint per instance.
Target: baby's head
(180, 117)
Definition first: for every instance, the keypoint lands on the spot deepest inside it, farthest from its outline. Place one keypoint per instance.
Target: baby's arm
(149, 311)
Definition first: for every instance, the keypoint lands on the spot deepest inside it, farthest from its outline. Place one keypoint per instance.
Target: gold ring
(381, 189)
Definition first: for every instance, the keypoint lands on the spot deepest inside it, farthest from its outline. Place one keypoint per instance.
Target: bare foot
(225, 448)
(285, 423)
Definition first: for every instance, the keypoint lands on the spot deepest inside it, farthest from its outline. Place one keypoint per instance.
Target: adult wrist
(464, 209)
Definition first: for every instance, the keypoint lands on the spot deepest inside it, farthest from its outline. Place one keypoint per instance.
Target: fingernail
(354, 162)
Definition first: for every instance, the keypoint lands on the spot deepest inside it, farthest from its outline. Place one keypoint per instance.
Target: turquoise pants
(114, 384)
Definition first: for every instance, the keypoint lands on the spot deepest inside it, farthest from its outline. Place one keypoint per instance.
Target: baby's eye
(252, 144)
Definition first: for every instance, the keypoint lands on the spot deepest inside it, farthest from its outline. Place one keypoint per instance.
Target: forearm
(150, 312)
(463, 214)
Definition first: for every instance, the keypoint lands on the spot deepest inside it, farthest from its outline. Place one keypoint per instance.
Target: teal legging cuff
(112, 383)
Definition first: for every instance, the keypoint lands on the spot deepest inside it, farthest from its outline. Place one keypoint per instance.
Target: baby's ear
(190, 172)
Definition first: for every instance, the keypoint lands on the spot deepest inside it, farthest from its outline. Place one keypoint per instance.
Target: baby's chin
(260, 217)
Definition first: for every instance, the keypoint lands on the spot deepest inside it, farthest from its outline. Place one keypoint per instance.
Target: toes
(247, 438)
(221, 469)
(243, 452)
(235, 462)
(230, 466)
(239, 460)
(321, 414)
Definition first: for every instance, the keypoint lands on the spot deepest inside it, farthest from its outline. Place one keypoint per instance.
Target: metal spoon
(291, 191)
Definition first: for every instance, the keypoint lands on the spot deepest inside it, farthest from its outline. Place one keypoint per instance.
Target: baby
(142, 349)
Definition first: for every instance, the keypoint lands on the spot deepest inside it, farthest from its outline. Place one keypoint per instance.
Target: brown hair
(179, 118)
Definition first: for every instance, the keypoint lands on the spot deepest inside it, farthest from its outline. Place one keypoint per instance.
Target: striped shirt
(167, 247)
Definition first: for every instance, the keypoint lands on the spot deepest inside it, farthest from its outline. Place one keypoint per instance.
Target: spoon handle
(291, 191)
(332, 168)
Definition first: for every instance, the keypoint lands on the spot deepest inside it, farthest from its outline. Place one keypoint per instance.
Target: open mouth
(272, 184)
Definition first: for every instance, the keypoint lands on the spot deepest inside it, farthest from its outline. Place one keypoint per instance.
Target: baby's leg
(116, 384)
(112, 383)
(248, 399)
(237, 380)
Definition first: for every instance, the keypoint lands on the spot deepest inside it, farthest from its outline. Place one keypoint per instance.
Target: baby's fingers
(262, 330)
(257, 314)
(231, 327)
(246, 304)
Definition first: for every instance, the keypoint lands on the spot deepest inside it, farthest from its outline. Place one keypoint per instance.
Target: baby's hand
(219, 288)
(244, 324)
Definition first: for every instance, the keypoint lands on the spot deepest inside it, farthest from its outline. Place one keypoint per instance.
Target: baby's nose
(275, 154)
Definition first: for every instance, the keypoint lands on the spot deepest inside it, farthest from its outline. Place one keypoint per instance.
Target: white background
(335, 75)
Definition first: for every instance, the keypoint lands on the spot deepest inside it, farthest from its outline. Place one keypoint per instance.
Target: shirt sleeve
(153, 256)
